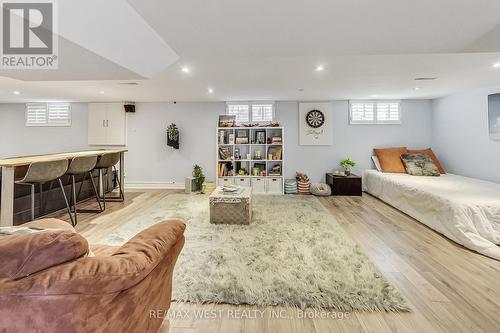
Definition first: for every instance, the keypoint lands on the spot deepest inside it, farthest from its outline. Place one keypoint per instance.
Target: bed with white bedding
(465, 210)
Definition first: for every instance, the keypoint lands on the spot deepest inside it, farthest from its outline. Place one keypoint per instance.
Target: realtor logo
(29, 36)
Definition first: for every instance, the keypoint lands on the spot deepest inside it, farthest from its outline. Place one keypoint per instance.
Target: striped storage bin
(290, 186)
(303, 187)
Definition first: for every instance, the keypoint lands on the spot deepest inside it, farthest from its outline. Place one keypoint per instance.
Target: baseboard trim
(153, 186)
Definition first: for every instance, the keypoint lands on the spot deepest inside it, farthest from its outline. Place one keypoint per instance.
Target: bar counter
(10, 165)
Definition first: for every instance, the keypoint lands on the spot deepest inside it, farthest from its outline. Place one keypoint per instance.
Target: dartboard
(315, 118)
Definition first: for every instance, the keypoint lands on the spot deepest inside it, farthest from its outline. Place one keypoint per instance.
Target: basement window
(251, 112)
(48, 114)
(374, 112)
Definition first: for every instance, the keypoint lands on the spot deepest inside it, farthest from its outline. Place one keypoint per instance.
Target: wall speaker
(129, 107)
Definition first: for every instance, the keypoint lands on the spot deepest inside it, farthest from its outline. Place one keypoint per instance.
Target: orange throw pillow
(432, 155)
(390, 159)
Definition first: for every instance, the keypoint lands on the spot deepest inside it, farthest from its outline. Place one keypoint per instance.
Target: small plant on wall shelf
(347, 165)
(173, 136)
(199, 178)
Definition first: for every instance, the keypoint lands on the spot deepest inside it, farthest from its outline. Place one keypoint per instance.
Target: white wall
(353, 141)
(19, 140)
(151, 162)
(460, 134)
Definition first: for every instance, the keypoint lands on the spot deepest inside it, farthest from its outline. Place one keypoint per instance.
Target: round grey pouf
(320, 189)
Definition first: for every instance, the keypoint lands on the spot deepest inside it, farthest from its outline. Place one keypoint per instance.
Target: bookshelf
(251, 156)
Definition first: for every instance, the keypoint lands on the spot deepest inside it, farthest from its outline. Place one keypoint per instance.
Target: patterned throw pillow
(419, 165)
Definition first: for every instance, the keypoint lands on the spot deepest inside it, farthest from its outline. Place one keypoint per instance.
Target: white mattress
(465, 210)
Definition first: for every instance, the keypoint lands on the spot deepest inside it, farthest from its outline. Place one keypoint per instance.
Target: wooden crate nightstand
(340, 185)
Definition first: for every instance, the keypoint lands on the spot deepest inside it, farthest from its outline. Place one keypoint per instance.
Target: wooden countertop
(26, 160)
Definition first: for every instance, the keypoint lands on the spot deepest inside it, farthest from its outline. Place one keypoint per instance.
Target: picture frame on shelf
(222, 137)
(227, 120)
(261, 166)
(260, 137)
(241, 137)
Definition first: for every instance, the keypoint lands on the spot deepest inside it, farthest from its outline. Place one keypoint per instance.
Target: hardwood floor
(449, 288)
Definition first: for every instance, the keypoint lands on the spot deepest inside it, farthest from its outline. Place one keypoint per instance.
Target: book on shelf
(225, 169)
(241, 141)
(276, 140)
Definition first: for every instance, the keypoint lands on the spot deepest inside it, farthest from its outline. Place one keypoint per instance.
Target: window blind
(36, 114)
(362, 112)
(48, 114)
(241, 111)
(262, 112)
(387, 111)
(373, 112)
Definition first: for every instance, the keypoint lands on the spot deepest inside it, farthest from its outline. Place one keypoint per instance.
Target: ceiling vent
(425, 78)
(128, 83)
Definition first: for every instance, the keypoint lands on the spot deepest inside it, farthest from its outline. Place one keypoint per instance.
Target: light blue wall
(19, 140)
(353, 141)
(150, 161)
(461, 137)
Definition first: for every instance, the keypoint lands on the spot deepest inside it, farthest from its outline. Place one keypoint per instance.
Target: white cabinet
(107, 124)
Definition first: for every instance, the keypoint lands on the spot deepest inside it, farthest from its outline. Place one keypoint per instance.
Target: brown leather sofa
(115, 291)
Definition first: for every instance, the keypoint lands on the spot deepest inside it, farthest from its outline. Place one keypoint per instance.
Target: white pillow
(377, 163)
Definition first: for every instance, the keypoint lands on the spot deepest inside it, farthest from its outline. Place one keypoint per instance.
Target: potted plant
(347, 165)
(199, 178)
(173, 136)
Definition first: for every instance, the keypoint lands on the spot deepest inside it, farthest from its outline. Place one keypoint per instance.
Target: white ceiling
(268, 50)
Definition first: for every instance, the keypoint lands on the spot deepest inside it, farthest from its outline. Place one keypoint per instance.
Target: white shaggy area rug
(293, 254)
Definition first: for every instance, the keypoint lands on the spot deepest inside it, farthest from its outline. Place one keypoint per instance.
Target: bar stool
(105, 162)
(42, 172)
(82, 165)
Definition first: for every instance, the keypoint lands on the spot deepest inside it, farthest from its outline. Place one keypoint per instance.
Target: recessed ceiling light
(210, 91)
(319, 68)
(16, 92)
(185, 70)
(496, 65)
(101, 92)
(374, 96)
(416, 88)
